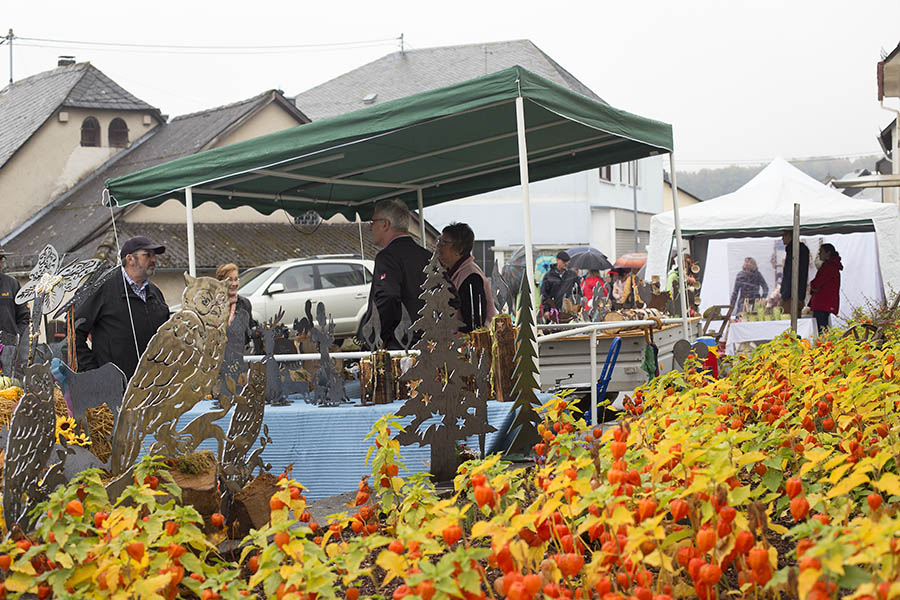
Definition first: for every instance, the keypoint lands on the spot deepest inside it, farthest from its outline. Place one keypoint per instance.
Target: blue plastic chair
(607, 372)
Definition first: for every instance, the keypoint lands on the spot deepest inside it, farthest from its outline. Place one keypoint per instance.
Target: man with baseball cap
(119, 335)
(556, 285)
(14, 318)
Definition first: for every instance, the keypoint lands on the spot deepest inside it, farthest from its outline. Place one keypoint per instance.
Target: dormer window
(118, 133)
(90, 133)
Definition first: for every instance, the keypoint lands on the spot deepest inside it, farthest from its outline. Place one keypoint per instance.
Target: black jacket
(397, 280)
(14, 318)
(106, 319)
(555, 286)
(788, 268)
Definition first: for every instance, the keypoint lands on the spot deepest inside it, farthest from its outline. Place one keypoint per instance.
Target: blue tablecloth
(327, 446)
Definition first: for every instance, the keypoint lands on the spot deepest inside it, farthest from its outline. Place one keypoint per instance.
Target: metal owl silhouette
(28, 447)
(246, 422)
(179, 368)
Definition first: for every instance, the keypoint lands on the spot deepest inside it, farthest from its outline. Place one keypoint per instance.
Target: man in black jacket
(399, 271)
(108, 320)
(14, 318)
(787, 237)
(556, 284)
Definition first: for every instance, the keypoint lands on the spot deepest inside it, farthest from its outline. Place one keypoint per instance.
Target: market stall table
(763, 331)
(326, 447)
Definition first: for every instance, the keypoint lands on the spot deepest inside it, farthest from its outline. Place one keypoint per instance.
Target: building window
(606, 173)
(90, 133)
(118, 133)
(484, 255)
(629, 173)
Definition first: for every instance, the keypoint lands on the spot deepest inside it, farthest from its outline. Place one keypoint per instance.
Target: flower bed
(780, 479)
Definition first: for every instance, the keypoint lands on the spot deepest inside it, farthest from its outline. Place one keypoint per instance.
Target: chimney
(65, 61)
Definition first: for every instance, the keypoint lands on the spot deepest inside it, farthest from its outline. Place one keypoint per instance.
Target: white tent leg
(679, 244)
(593, 341)
(189, 217)
(421, 218)
(526, 204)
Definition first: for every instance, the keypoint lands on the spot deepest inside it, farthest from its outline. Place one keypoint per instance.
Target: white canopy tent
(765, 205)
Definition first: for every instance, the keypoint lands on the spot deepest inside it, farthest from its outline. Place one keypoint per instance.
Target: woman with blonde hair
(748, 283)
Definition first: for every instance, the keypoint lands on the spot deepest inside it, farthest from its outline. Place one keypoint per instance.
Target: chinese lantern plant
(85, 546)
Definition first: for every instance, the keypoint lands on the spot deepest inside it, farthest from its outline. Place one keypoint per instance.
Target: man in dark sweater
(118, 334)
(399, 271)
(787, 237)
(14, 318)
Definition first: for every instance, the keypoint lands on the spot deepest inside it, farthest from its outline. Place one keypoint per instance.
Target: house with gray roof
(58, 126)
(594, 207)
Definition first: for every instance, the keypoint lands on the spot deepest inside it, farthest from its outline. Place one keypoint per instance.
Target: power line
(235, 51)
(208, 47)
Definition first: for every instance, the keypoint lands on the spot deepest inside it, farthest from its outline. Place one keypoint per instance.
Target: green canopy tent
(489, 133)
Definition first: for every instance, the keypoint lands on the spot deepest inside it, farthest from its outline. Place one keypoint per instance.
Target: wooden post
(504, 356)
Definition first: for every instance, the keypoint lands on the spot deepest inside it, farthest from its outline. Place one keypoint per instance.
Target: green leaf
(853, 577)
(772, 479)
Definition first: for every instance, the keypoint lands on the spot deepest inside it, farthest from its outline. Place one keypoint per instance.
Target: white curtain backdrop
(860, 280)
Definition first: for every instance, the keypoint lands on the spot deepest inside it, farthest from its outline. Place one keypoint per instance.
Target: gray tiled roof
(250, 244)
(405, 73)
(26, 104)
(76, 221)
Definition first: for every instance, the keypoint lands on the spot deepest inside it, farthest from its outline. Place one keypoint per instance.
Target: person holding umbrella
(556, 285)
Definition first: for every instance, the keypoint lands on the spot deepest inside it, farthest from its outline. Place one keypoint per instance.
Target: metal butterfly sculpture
(47, 284)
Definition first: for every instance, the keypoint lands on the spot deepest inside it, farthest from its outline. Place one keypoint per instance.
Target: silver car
(341, 282)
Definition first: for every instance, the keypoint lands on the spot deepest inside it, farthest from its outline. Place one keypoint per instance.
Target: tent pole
(189, 217)
(679, 252)
(633, 165)
(421, 217)
(526, 207)
(795, 269)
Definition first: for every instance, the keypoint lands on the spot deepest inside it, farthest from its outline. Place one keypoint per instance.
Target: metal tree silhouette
(443, 407)
(525, 375)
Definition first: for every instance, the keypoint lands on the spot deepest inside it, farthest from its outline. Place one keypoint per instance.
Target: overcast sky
(738, 80)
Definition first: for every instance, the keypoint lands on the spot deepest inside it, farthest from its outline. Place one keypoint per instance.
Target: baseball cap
(139, 242)
(563, 255)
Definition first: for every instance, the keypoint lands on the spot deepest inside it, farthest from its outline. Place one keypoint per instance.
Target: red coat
(826, 286)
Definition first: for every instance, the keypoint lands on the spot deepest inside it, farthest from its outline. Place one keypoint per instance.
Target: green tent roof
(451, 142)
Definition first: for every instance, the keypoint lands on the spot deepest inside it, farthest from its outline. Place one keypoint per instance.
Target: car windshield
(251, 279)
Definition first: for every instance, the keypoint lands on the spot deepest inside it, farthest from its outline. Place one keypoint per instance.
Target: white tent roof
(766, 204)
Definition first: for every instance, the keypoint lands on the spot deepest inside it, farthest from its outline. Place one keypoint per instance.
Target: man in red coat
(825, 287)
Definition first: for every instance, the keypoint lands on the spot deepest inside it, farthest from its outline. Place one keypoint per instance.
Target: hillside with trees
(711, 183)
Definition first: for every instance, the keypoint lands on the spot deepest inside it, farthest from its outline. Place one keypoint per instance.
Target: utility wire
(236, 51)
(201, 48)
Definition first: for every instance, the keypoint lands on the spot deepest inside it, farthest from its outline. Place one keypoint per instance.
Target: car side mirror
(275, 288)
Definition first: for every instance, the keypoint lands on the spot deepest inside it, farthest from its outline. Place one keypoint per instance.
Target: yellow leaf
(483, 528)
(837, 460)
(848, 484)
(839, 472)
(805, 580)
(814, 456)
(18, 582)
(549, 508)
(779, 529)
(750, 457)
(889, 484)
(64, 560)
(519, 551)
(620, 516)
(393, 564)
(773, 558)
(82, 573)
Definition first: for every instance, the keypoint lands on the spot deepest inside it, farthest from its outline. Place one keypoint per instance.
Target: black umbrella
(589, 259)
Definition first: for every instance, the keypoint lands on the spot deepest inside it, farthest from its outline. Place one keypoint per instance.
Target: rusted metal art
(443, 408)
(47, 284)
(179, 368)
(90, 389)
(378, 384)
(482, 362)
(233, 363)
(503, 299)
(404, 333)
(598, 302)
(97, 278)
(371, 331)
(28, 447)
(274, 390)
(328, 385)
(246, 423)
